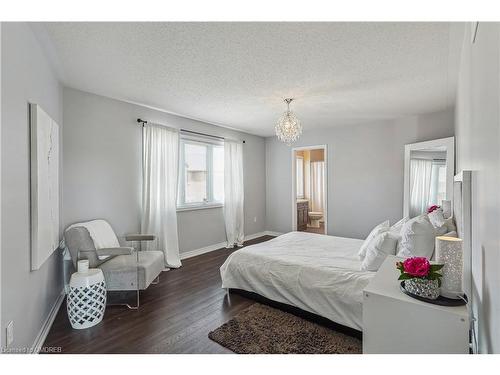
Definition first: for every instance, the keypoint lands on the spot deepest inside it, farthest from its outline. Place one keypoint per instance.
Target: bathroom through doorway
(309, 189)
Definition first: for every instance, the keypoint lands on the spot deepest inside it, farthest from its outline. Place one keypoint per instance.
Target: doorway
(309, 189)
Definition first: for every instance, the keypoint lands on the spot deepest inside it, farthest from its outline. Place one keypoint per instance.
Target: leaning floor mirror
(428, 175)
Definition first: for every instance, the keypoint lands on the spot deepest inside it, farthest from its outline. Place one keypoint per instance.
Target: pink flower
(432, 208)
(417, 266)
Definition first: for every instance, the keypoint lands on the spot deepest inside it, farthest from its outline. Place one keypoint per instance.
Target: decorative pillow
(396, 227)
(436, 218)
(441, 231)
(450, 224)
(417, 238)
(382, 227)
(446, 225)
(379, 247)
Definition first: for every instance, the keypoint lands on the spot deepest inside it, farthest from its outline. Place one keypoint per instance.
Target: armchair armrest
(113, 251)
(140, 237)
(85, 253)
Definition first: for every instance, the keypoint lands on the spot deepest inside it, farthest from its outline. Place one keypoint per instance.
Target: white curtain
(233, 192)
(299, 166)
(317, 186)
(159, 190)
(437, 194)
(420, 185)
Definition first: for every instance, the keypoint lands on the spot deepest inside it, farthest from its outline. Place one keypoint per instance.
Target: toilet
(315, 217)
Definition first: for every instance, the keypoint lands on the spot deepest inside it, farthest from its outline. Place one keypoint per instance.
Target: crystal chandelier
(288, 128)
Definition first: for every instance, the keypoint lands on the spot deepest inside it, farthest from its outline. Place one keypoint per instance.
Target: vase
(423, 288)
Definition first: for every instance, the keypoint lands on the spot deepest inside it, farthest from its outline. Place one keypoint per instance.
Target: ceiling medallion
(288, 128)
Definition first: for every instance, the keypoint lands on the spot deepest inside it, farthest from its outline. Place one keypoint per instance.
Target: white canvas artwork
(44, 186)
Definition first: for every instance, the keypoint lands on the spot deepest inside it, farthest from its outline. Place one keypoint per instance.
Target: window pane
(218, 173)
(195, 159)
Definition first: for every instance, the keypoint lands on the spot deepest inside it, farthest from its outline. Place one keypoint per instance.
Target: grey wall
(365, 171)
(27, 296)
(102, 169)
(478, 137)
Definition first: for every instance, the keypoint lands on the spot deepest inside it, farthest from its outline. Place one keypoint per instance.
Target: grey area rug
(261, 329)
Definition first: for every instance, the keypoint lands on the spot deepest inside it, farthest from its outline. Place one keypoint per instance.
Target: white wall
(102, 165)
(365, 171)
(27, 296)
(478, 138)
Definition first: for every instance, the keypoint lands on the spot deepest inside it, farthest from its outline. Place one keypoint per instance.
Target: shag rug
(261, 329)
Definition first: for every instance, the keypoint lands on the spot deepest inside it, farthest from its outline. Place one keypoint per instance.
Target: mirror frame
(449, 144)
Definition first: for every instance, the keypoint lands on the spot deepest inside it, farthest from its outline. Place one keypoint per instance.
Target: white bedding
(316, 273)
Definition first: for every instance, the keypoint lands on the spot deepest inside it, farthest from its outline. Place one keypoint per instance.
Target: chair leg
(128, 305)
(136, 307)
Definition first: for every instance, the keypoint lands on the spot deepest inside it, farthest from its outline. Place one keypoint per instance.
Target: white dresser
(396, 323)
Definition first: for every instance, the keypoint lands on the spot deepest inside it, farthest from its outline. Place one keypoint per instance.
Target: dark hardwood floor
(175, 316)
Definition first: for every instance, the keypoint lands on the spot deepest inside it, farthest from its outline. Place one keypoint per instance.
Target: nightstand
(396, 323)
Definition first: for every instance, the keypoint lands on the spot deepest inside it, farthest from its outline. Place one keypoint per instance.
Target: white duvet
(316, 273)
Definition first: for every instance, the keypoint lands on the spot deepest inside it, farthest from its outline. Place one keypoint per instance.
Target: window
(441, 190)
(201, 173)
(299, 165)
(438, 182)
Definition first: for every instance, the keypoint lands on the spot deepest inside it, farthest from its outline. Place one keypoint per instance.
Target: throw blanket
(101, 233)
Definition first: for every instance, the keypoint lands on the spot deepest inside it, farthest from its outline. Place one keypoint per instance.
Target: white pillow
(382, 227)
(396, 227)
(417, 238)
(379, 247)
(436, 218)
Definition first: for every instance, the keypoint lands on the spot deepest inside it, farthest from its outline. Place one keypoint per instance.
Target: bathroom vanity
(302, 214)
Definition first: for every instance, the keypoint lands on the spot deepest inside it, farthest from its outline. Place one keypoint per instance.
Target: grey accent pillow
(81, 246)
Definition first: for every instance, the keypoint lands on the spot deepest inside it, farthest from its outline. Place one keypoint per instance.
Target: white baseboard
(217, 246)
(271, 233)
(44, 331)
(202, 250)
(254, 236)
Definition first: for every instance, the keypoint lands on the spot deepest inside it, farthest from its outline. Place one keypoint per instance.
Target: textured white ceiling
(236, 74)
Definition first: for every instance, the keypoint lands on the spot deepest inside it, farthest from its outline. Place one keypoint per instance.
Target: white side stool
(87, 296)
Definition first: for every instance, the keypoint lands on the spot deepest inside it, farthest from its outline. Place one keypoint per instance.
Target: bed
(321, 274)
(316, 273)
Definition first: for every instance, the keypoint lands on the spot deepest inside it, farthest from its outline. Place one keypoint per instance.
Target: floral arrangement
(419, 268)
(432, 208)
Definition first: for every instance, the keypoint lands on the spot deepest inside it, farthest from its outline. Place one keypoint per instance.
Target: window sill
(199, 207)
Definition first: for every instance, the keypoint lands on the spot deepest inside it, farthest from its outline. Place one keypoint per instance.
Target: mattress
(316, 273)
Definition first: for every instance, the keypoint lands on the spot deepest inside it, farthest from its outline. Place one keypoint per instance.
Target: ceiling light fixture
(288, 128)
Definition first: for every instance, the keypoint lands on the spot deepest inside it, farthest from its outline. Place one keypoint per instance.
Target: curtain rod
(142, 122)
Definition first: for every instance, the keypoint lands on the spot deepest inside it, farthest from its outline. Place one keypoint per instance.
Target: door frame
(294, 183)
